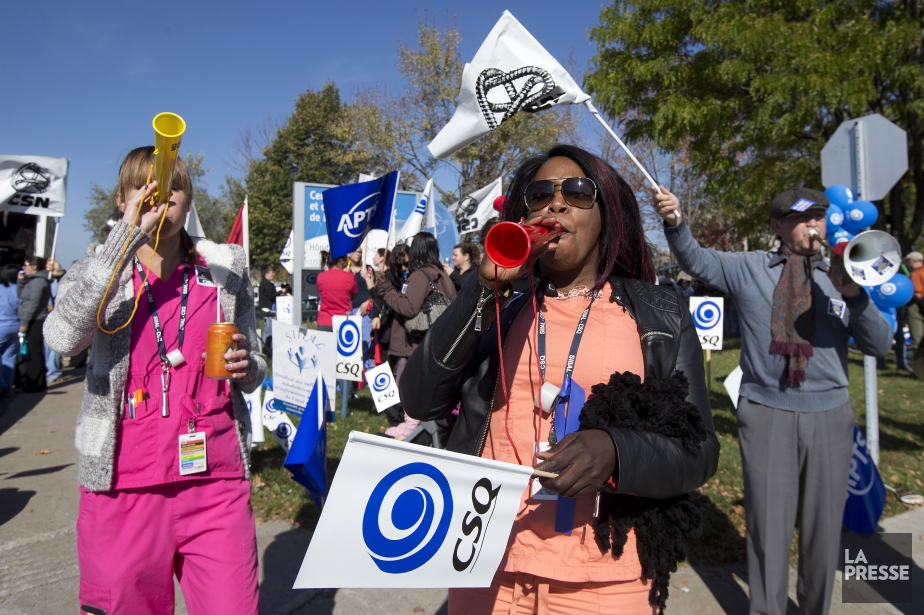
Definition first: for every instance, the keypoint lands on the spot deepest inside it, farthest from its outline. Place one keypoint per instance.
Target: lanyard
(158, 330)
(572, 357)
(575, 343)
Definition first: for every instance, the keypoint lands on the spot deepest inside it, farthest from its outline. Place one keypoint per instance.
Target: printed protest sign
(278, 422)
(404, 515)
(254, 403)
(349, 332)
(708, 318)
(382, 387)
(298, 355)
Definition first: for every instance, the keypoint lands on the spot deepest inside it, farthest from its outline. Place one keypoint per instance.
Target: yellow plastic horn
(168, 130)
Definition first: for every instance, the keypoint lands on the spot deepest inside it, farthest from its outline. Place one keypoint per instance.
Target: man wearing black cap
(795, 422)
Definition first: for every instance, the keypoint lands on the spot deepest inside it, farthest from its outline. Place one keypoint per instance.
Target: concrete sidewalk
(38, 555)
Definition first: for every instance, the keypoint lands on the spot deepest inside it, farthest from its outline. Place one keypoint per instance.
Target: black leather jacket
(457, 362)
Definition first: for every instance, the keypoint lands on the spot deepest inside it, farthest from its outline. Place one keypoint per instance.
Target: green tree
(394, 130)
(754, 88)
(102, 205)
(314, 145)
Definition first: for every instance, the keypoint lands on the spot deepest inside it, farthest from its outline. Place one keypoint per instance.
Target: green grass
(901, 423)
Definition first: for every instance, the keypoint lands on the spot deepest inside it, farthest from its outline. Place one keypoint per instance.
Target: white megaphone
(870, 259)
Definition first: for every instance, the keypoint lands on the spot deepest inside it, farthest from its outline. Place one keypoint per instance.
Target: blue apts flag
(865, 491)
(307, 458)
(355, 209)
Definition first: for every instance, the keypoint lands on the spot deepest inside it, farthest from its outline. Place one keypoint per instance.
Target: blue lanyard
(569, 365)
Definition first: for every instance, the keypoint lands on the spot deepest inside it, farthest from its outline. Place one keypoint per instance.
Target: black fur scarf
(661, 526)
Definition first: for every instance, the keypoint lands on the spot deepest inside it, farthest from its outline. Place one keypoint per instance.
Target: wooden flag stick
(542, 474)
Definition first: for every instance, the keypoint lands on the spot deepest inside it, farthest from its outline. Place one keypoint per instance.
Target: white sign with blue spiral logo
(404, 515)
(708, 318)
(348, 330)
(382, 387)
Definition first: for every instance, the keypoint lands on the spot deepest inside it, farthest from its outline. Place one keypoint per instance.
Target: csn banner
(34, 185)
(382, 387)
(404, 515)
(349, 332)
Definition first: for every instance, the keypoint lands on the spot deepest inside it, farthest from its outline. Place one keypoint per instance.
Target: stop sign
(868, 154)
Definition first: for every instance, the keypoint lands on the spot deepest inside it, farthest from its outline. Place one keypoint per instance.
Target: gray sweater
(71, 327)
(751, 278)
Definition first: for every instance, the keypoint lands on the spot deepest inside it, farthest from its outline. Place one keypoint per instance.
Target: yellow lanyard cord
(99, 311)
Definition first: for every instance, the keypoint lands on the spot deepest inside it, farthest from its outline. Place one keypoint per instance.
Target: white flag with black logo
(511, 72)
(472, 211)
(403, 515)
(34, 185)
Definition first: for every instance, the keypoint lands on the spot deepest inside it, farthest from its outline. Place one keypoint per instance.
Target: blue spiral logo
(888, 289)
(284, 430)
(381, 382)
(269, 407)
(348, 338)
(400, 526)
(706, 315)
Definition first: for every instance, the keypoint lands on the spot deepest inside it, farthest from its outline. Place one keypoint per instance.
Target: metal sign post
(869, 154)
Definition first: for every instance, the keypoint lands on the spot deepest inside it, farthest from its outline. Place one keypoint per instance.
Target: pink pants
(131, 542)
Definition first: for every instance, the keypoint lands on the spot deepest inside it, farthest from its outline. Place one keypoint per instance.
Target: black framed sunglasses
(580, 192)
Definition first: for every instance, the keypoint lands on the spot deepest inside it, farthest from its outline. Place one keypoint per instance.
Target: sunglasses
(580, 192)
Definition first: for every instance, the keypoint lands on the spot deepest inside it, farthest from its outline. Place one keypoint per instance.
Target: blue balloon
(835, 218)
(860, 215)
(840, 235)
(894, 293)
(839, 195)
(891, 320)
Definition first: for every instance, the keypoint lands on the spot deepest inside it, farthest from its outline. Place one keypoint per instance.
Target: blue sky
(85, 78)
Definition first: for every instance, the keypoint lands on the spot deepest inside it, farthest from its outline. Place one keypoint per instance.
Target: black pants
(30, 371)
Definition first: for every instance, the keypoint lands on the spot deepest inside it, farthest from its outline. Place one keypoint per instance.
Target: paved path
(38, 556)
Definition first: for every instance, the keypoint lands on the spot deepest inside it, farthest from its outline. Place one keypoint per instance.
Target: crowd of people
(627, 439)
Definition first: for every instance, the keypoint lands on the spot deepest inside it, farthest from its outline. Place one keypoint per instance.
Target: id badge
(192, 453)
(404, 288)
(540, 493)
(204, 276)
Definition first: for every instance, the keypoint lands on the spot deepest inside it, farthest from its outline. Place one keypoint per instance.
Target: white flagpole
(54, 240)
(596, 114)
(245, 220)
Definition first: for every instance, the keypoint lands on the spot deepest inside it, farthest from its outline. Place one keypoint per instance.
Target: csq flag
(865, 491)
(307, 457)
(511, 72)
(355, 209)
(404, 515)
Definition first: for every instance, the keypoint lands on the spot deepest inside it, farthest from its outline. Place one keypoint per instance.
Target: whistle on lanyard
(165, 388)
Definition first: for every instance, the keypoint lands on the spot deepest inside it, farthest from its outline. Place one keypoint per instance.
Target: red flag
(237, 229)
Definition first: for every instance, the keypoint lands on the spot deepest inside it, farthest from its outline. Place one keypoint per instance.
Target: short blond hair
(135, 169)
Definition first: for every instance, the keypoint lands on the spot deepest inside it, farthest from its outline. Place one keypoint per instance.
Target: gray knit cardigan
(71, 327)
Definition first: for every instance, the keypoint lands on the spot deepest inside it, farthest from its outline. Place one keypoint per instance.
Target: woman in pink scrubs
(163, 450)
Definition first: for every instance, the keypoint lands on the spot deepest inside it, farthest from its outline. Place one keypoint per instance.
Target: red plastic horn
(508, 244)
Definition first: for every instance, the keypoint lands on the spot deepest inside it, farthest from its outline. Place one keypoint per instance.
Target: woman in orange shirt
(602, 536)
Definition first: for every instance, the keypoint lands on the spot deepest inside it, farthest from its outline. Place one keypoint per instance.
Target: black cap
(797, 201)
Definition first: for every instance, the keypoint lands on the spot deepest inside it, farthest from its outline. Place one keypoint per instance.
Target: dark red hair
(623, 249)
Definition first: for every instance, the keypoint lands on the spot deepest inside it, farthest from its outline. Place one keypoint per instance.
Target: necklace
(576, 291)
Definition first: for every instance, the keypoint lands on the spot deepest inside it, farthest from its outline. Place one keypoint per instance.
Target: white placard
(404, 515)
(278, 422)
(708, 317)
(382, 387)
(284, 308)
(254, 403)
(34, 185)
(349, 332)
(298, 355)
(733, 385)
